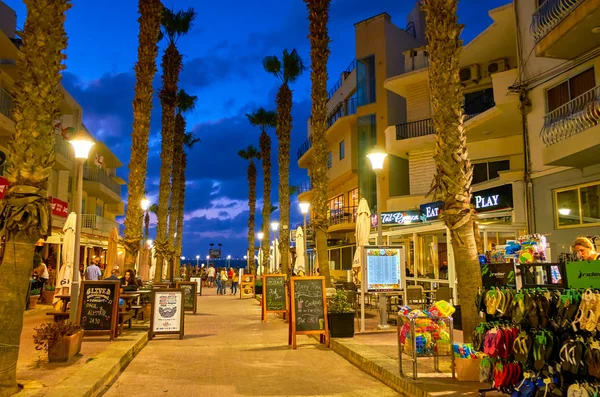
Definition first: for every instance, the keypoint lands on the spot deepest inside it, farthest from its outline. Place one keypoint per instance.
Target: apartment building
(559, 50)
(359, 112)
(101, 187)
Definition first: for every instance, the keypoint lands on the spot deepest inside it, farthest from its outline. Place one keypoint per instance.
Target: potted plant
(258, 287)
(340, 316)
(62, 340)
(48, 294)
(34, 295)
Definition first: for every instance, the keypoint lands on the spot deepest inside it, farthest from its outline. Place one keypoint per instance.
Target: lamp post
(197, 260)
(81, 146)
(145, 204)
(304, 206)
(274, 227)
(207, 260)
(260, 236)
(377, 157)
(228, 260)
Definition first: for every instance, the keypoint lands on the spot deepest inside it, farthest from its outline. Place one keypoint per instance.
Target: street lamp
(304, 206)
(81, 146)
(197, 260)
(207, 260)
(149, 242)
(145, 204)
(377, 157)
(274, 227)
(228, 260)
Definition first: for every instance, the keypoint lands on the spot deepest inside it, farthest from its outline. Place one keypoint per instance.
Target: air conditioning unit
(499, 65)
(469, 73)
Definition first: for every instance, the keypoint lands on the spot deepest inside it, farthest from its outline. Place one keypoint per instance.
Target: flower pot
(33, 301)
(62, 351)
(48, 297)
(341, 325)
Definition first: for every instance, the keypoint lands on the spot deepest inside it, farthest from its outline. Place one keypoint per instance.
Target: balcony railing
(65, 149)
(6, 103)
(99, 175)
(343, 78)
(343, 215)
(95, 222)
(549, 14)
(572, 118)
(304, 147)
(414, 129)
(304, 187)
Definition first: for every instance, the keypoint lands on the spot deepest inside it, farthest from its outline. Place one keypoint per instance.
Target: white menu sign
(168, 308)
(384, 268)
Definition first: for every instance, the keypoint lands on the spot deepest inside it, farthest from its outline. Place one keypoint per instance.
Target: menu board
(309, 307)
(383, 268)
(189, 295)
(246, 286)
(198, 281)
(167, 312)
(275, 296)
(98, 307)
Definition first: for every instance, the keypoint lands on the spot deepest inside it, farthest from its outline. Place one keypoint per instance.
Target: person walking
(234, 281)
(217, 281)
(211, 276)
(224, 280)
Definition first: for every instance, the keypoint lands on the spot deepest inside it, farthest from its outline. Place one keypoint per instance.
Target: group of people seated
(129, 281)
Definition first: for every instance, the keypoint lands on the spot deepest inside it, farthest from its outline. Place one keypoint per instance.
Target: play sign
(497, 198)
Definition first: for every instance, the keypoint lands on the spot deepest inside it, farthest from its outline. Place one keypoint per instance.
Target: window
(367, 138)
(479, 101)
(365, 80)
(99, 210)
(353, 197)
(329, 160)
(489, 170)
(336, 204)
(342, 150)
(577, 206)
(570, 89)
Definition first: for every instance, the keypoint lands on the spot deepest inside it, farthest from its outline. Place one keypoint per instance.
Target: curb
(92, 379)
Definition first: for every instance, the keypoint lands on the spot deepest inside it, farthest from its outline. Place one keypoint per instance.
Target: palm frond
(293, 190)
(273, 208)
(185, 101)
(176, 24)
(292, 66)
(263, 118)
(189, 140)
(153, 208)
(272, 65)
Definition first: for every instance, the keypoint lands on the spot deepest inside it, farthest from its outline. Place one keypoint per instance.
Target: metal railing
(414, 129)
(343, 215)
(6, 103)
(304, 187)
(65, 149)
(549, 14)
(99, 175)
(573, 117)
(304, 147)
(95, 222)
(342, 78)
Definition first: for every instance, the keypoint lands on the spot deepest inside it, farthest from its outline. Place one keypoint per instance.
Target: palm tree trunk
(145, 69)
(265, 155)
(181, 209)
(318, 16)
(171, 65)
(176, 190)
(252, 209)
(454, 171)
(284, 128)
(24, 212)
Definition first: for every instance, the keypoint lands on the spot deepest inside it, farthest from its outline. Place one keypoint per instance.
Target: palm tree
(288, 70)
(185, 103)
(318, 16)
(264, 119)
(189, 141)
(24, 212)
(174, 25)
(145, 69)
(454, 171)
(250, 153)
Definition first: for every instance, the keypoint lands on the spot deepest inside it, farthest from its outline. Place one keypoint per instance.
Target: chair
(444, 294)
(415, 296)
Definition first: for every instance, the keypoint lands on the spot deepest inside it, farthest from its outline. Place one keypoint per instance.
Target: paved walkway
(228, 352)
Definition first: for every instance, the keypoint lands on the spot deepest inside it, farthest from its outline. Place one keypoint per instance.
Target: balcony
(343, 109)
(99, 183)
(341, 80)
(414, 129)
(565, 28)
(6, 104)
(571, 132)
(342, 218)
(97, 224)
(64, 154)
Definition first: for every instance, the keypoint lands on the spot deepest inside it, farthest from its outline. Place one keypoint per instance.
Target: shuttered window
(570, 89)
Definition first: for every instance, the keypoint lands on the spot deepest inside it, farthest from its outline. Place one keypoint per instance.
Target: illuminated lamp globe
(304, 207)
(145, 204)
(377, 156)
(81, 145)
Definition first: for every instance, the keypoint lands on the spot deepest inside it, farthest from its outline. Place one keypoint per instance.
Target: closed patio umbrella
(363, 228)
(111, 253)
(65, 274)
(259, 268)
(300, 266)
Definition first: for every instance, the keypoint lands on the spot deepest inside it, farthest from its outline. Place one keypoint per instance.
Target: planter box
(258, 289)
(341, 325)
(48, 297)
(65, 349)
(33, 301)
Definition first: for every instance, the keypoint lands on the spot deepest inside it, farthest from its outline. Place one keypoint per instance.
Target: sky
(223, 55)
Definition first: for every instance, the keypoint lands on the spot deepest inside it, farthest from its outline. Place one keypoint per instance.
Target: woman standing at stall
(584, 247)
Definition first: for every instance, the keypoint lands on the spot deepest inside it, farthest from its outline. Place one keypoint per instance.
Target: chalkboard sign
(167, 312)
(309, 307)
(98, 309)
(189, 295)
(274, 294)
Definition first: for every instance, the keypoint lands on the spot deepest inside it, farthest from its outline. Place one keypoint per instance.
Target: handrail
(96, 222)
(341, 80)
(99, 175)
(304, 187)
(6, 103)
(304, 147)
(549, 14)
(414, 129)
(573, 117)
(343, 215)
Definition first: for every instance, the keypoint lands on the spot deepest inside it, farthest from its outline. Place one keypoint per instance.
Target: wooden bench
(125, 316)
(59, 316)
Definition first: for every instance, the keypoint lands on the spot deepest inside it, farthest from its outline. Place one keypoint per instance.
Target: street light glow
(81, 145)
(145, 204)
(260, 235)
(377, 156)
(228, 256)
(197, 256)
(183, 258)
(207, 257)
(304, 205)
(274, 226)
(149, 242)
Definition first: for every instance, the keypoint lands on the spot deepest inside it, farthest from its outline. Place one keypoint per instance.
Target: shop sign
(583, 274)
(397, 218)
(59, 207)
(3, 186)
(431, 211)
(497, 198)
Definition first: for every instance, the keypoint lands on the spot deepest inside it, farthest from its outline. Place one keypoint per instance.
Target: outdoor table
(128, 297)
(65, 300)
